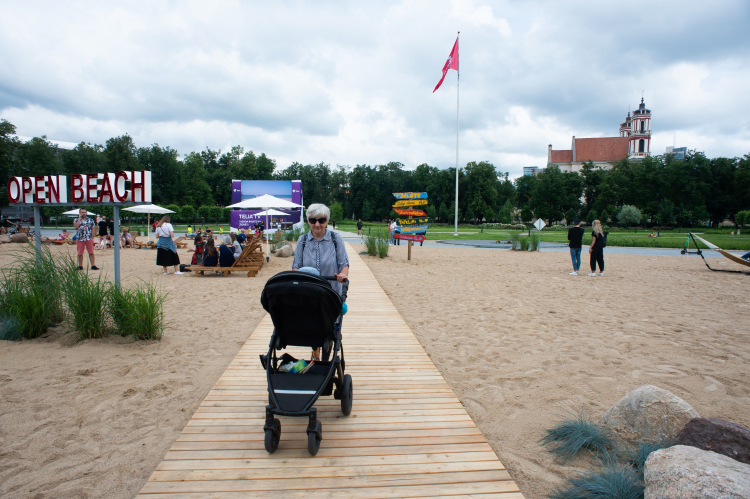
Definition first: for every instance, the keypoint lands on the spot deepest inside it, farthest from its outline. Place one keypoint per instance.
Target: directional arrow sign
(409, 237)
(414, 229)
(414, 221)
(410, 213)
(410, 195)
(410, 202)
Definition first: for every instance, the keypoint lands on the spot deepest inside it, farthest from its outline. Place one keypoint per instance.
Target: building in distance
(532, 170)
(634, 142)
(677, 152)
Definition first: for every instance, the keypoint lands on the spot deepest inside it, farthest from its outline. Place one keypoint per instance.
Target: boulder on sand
(285, 251)
(648, 414)
(684, 472)
(717, 435)
(20, 237)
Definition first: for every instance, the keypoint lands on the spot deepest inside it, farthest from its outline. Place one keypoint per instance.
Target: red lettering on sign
(13, 185)
(39, 189)
(138, 186)
(91, 188)
(53, 187)
(76, 188)
(26, 189)
(106, 190)
(124, 176)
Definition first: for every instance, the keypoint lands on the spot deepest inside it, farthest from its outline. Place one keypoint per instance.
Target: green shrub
(574, 434)
(534, 242)
(87, 303)
(371, 244)
(515, 242)
(383, 244)
(613, 481)
(292, 235)
(637, 457)
(525, 243)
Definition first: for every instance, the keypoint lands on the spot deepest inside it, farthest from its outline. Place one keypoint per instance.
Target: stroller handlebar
(345, 287)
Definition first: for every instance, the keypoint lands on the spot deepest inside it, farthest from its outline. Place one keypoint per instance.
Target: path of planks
(407, 436)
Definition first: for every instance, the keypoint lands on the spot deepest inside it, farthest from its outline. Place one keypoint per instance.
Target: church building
(634, 142)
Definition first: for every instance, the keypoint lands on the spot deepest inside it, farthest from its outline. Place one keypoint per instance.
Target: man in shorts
(84, 240)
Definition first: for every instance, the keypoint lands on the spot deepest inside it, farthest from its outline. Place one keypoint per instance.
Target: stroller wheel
(273, 436)
(313, 439)
(347, 395)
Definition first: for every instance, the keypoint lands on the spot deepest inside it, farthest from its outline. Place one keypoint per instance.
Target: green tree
(443, 213)
(526, 214)
(570, 215)
(9, 144)
(215, 213)
(554, 192)
(37, 157)
(591, 217)
(604, 217)
(176, 209)
(187, 213)
(629, 215)
(204, 213)
(167, 184)
(741, 184)
(121, 154)
(196, 190)
(665, 216)
(431, 212)
(506, 212)
(337, 211)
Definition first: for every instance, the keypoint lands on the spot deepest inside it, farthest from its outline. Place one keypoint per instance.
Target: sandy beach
(519, 340)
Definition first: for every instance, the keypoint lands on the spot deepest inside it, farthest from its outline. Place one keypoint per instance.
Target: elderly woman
(322, 250)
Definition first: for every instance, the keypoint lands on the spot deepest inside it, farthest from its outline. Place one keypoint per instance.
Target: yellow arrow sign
(410, 202)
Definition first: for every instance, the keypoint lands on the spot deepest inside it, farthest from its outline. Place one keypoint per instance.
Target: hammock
(726, 254)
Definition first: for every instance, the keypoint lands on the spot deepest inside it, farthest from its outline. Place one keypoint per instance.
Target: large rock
(19, 237)
(683, 472)
(5, 238)
(717, 435)
(648, 414)
(285, 251)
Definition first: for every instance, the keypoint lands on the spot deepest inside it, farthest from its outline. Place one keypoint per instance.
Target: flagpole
(458, 77)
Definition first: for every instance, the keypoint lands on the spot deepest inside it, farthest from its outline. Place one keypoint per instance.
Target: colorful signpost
(410, 202)
(410, 237)
(411, 229)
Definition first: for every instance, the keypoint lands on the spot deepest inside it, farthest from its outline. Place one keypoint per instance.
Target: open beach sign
(133, 187)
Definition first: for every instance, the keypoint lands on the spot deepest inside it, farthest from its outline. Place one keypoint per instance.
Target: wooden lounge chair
(62, 241)
(181, 243)
(250, 261)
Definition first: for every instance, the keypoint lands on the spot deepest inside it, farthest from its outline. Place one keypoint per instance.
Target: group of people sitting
(207, 254)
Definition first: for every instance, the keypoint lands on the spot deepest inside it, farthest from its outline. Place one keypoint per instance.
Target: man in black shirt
(575, 234)
(359, 227)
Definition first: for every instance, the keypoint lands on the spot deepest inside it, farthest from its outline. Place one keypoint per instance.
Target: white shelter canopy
(74, 213)
(148, 208)
(265, 202)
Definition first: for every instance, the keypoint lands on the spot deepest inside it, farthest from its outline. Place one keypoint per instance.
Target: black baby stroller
(306, 312)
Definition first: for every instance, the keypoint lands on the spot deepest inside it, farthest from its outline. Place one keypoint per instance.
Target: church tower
(625, 127)
(639, 133)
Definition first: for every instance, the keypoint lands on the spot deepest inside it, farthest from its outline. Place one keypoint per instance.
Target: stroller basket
(306, 312)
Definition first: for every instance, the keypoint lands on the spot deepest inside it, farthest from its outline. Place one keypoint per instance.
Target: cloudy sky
(351, 82)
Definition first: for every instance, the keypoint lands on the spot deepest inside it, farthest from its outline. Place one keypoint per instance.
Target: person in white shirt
(166, 249)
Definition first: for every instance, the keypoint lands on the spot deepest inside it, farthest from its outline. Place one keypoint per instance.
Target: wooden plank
(408, 435)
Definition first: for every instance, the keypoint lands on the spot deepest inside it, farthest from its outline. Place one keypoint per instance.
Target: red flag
(451, 63)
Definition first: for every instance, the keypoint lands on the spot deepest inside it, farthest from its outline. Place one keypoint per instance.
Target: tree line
(665, 190)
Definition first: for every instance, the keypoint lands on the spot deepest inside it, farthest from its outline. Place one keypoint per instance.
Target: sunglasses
(313, 221)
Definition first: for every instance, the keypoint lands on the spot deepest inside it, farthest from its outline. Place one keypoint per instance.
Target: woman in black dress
(166, 249)
(596, 250)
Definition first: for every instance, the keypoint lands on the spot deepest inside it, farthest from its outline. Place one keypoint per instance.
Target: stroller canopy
(303, 308)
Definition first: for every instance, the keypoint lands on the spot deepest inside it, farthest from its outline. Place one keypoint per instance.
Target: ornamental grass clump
(572, 435)
(137, 311)
(612, 481)
(524, 243)
(637, 457)
(87, 303)
(31, 293)
(383, 244)
(534, 242)
(371, 244)
(292, 235)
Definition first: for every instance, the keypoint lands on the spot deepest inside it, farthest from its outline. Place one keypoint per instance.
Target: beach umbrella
(265, 202)
(149, 209)
(74, 213)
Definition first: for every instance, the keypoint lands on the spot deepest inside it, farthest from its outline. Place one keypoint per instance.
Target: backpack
(305, 238)
(602, 241)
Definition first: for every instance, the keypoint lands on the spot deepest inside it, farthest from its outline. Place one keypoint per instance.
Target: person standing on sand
(84, 226)
(166, 249)
(575, 235)
(596, 250)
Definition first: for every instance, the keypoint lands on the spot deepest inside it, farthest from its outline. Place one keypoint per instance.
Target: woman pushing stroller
(323, 250)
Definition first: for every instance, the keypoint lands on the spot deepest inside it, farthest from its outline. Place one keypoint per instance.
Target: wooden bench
(180, 242)
(250, 261)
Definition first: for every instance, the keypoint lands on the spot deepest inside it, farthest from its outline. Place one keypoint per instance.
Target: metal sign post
(539, 224)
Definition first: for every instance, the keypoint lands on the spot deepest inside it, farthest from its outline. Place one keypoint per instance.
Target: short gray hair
(227, 240)
(318, 209)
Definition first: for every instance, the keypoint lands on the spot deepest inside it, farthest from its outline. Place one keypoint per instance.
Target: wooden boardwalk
(407, 435)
